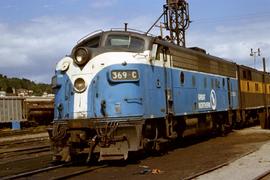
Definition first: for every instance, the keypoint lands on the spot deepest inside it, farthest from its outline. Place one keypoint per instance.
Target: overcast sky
(35, 34)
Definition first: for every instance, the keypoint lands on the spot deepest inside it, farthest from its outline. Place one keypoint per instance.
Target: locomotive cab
(114, 41)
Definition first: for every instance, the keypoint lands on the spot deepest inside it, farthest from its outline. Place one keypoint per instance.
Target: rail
(23, 139)
(80, 172)
(263, 175)
(47, 169)
(133, 30)
(30, 173)
(11, 153)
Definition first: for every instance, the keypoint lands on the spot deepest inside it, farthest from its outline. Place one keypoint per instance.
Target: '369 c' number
(119, 75)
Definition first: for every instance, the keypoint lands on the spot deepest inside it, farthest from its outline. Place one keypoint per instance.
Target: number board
(124, 75)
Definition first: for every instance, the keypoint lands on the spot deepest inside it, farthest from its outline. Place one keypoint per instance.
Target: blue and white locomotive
(123, 91)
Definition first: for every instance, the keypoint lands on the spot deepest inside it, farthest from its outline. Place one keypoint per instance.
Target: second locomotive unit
(122, 91)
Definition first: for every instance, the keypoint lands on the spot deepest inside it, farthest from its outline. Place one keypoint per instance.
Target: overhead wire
(249, 16)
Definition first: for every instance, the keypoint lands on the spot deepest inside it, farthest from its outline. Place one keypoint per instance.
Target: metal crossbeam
(176, 20)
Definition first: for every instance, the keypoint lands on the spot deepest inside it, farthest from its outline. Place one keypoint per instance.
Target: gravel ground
(196, 156)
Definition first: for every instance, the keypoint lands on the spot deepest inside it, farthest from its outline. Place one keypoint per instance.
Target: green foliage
(7, 84)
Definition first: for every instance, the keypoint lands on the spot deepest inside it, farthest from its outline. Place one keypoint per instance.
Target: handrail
(133, 30)
(129, 29)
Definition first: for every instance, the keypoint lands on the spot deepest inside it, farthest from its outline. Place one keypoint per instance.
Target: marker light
(65, 66)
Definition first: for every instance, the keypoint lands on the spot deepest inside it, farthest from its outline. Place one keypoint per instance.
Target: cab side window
(162, 53)
(159, 53)
(93, 43)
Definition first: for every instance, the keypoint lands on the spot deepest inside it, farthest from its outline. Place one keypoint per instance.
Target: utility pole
(254, 54)
(161, 26)
(265, 124)
(264, 65)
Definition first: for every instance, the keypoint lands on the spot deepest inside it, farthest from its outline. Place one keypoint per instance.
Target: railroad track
(12, 133)
(22, 141)
(23, 151)
(20, 154)
(33, 172)
(265, 175)
(66, 175)
(11, 144)
(20, 132)
(79, 172)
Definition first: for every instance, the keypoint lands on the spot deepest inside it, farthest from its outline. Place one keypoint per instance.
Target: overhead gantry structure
(176, 20)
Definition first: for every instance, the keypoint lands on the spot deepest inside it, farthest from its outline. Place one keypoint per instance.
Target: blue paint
(123, 98)
(16, 125)
(146, 97)
(64, 98)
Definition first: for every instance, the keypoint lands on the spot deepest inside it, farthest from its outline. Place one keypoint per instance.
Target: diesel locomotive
(122, 91)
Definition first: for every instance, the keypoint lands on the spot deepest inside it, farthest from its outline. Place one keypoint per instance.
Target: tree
(9, 90)
(6, 84)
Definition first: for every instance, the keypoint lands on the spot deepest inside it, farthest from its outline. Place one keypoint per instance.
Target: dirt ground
(193, 156)
(11, 164)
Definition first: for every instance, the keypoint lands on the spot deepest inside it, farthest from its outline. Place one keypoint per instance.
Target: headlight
(79, 85)
(82, 56)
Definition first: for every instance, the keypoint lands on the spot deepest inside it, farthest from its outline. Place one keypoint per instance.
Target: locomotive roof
(116, 31)
(195, 51)
(250, 68)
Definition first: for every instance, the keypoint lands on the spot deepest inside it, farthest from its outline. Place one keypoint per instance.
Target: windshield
(92, 43)
(125, 41)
